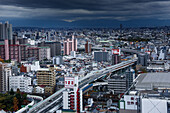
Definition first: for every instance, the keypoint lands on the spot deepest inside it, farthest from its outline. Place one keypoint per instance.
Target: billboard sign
(116, 51)
(71, 82)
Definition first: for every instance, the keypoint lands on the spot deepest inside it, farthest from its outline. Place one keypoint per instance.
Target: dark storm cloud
(76, 4)
(68, 4)
(72, 10)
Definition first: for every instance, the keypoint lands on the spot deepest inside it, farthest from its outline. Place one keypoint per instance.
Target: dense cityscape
(122, 70)
(84, 56)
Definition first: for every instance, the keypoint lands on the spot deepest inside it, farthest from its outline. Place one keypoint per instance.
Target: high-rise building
(44, 53)
(70, 44)
(5, 31)
(116, 59)
(46, 78)
(6, 50)
(101, 56)
(5, 73)
(71, 97)
(142, 59)
(88, 47)
(55, 47)
(116, 56)
(117, 83)
(14, 52)
(130, 77)
(24, 52)
(33, 52)
(10, 51)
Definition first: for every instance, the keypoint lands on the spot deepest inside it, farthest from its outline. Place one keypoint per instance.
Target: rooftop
(148, 81)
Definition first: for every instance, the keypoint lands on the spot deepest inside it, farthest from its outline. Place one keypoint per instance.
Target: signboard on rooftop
(116, 51)
(70, 82)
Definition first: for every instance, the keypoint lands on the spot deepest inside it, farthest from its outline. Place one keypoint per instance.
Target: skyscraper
(88, 47)
(70, 44)
(5, 73)
(116, 56)
(5, 31)
(101, 56)
(55, 47)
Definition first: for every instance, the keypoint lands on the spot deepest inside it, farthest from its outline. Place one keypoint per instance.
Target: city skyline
(75, 13)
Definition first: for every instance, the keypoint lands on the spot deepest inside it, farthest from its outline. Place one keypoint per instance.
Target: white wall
(39, 89)
(150, 105)
(65, 100)
(20, 82)
(130, 102)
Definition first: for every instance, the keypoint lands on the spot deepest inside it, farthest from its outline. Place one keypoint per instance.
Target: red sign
(69, 82)
(116, 51)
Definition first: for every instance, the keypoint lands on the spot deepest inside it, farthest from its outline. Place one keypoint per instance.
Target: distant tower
(6, 50)
(70, 44)
(88, 47)
(121, 26)
(5, 31)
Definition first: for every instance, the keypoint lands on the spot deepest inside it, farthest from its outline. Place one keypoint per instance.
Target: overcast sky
(85, 13)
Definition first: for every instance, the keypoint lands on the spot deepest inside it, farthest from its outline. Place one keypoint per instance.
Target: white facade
(32, 67)
(154, 105)
(39, 89)
(6, 73)
(131, 102)
(65, 100)
(21, 82)
(70, 96)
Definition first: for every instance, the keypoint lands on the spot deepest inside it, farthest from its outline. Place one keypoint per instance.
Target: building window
(136, 103)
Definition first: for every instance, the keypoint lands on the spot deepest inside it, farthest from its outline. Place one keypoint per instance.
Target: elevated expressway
(54, 102)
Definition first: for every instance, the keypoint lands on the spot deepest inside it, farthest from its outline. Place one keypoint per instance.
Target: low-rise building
(20, 82)
(38, 89)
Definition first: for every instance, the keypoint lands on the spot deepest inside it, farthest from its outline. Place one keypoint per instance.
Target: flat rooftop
(149, 81)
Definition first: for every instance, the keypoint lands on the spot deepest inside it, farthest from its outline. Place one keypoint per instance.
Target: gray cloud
(73, 10)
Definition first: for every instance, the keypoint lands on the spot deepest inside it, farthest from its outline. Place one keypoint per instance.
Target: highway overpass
(55, 100)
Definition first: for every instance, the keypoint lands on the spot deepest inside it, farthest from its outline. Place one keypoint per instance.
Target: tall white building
(5, 73)
(21, 82)
(71, 97)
